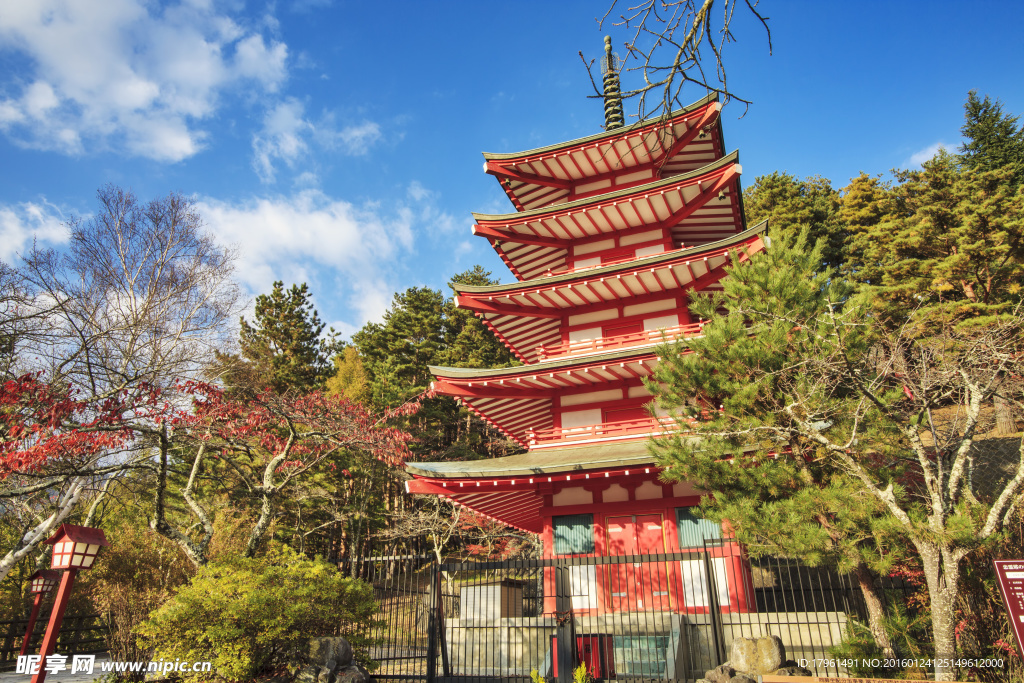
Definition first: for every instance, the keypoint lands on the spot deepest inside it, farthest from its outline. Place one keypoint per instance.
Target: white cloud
(282, 137)
(126, 74)
(286, 134)
(923, 155)
(20, 224)
(285, 238)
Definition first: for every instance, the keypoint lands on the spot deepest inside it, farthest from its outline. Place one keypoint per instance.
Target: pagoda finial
(610, 65)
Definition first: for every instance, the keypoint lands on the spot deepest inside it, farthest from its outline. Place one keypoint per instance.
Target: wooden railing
(621, 430)
(598, 344)
(78, 634)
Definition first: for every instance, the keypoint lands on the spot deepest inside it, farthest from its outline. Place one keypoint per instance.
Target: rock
(742, 678)
(323, 650)
(743, 654)
(343, 652)
(308, 674)
(771, 653)
(326, 676)
(792, 670)
(720, 674)
(353, 674)
(757, 655)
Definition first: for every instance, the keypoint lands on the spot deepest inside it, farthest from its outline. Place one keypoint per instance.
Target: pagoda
(611, 236)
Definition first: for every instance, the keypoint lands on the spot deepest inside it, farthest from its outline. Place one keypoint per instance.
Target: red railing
(598, 344)
(605, 431)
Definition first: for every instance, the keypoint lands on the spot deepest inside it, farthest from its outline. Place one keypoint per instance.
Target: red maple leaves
(298, 431)
(40, 422)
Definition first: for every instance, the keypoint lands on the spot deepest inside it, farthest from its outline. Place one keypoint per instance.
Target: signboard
(1011, 584)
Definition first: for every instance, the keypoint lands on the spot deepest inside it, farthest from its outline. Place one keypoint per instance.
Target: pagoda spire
(612, 97)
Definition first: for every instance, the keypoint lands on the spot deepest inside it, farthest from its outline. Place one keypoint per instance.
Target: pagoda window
(694, 530)
(573, 534)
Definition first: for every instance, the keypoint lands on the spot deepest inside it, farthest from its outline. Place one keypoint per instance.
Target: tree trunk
(1004, 416)
(942, 574)
(875, 607)
(262, 524)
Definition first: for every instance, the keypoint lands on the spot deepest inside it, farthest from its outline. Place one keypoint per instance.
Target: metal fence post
(434, 600)
(715, 608)
(565, 650)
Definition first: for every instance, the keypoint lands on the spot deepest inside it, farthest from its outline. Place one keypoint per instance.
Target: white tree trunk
(942, 574)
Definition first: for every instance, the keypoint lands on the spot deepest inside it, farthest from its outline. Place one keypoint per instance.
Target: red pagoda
(611, 236)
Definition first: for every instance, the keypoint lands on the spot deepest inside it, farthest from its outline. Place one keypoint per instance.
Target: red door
(636, 586)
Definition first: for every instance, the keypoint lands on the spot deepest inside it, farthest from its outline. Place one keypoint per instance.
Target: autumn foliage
(42, 422)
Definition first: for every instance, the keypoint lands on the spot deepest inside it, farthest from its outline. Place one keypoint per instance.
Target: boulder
(353, 674)
(742, 678)
(720, 674)
(326, 676)
(323, 650)
(771, 653)
(308, 674)
(757, 655)
(743, 654)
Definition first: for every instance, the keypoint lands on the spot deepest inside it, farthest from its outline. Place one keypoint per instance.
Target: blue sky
(339, 143)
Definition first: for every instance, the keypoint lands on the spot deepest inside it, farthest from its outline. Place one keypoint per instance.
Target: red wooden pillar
(36, 603)
(56, 617)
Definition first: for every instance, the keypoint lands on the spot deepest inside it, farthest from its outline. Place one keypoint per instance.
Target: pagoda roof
(533, 463)
(533, 243)
(519, 401)
(528, 315)
(509, 489)
(666, 145)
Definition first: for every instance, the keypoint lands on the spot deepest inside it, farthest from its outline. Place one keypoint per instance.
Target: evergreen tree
(792, 205)
(423, 328)
(469, 344)
(282, 349)
(828, 412)
(992, 139)
(398, 350)
(951, 244)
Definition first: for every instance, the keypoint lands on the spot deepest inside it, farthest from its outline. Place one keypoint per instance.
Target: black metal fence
(669, 617)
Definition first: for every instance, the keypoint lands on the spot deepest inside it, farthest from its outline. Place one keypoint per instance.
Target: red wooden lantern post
(39, 584)
(74, 548)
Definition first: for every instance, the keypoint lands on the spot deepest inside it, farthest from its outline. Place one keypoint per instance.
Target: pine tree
(951, 242)
(792, 205)
(282, 349)
(802, 401)
(469, 344)
(992, 139)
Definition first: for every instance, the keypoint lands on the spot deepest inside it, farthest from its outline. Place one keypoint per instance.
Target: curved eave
(509, 489)
(611, 270)
(606, 135)
(533, 463)
(526, 317)
(625, 156)
(534, 243)
(519, 400)
(625, 193)
(522, 372)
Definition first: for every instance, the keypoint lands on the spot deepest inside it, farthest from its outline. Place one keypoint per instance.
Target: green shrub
(247, 616)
